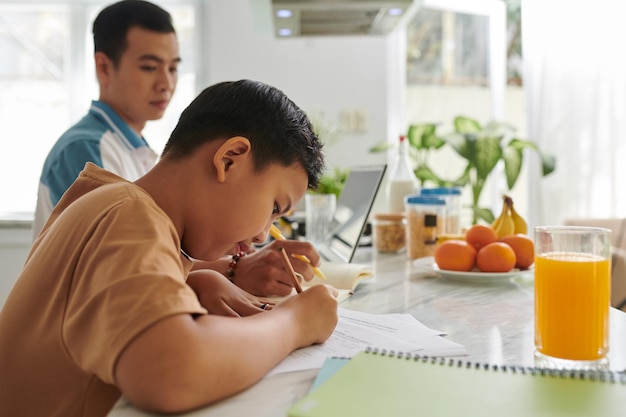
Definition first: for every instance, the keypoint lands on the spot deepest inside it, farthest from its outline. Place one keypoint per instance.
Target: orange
(495, 257)
(455, 255)
(480, 235)
(524, 249)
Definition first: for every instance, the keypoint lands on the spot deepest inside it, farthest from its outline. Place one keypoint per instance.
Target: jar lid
(441, 191)
(420, 199)
(397, 217)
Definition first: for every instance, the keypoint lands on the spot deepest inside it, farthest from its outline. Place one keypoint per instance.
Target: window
(47, 79)
(449, 47)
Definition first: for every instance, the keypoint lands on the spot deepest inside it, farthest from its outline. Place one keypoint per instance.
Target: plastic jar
(452, 197)
(425, 220)
(388, 232)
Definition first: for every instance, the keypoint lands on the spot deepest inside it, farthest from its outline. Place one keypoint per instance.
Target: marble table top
(494, 321)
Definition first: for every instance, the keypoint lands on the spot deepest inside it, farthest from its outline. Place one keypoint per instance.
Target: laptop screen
(353, 208)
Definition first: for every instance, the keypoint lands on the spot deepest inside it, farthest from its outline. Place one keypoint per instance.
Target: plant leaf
(548, 163)
(463, 144)
(484, 214)
(332, 183)
(513, 158)
(421, 136)
(424, 174)
(488, 153)
(522, 144)
(379, 147)
(494, 128)
(433, 142)
(464, 124)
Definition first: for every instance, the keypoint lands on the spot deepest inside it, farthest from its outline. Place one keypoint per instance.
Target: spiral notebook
(380, 384)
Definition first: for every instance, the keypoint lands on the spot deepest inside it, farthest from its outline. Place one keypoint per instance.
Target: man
(136, 59)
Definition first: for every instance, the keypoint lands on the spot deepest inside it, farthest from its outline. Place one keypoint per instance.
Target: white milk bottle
(402, 180)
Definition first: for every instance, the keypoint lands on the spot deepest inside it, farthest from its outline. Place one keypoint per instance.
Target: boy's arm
(182, 362)
(262, 273)
(220, 296)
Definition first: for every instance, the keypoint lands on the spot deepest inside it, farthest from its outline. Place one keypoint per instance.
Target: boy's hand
(316, 313)
(262, 272)
(221, 297)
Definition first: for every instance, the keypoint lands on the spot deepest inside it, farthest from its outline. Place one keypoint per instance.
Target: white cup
(320, 209)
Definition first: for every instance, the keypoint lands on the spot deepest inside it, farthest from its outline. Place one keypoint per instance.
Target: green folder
(375, 384)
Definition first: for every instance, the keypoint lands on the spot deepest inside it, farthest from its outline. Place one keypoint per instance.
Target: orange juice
(572, 299)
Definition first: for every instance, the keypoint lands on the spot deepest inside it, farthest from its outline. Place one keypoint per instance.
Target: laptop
(353, 208)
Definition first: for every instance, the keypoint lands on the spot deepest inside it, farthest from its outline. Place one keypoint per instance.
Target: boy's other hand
(221, 297)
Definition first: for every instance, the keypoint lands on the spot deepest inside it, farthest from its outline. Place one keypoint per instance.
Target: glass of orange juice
(572, 297)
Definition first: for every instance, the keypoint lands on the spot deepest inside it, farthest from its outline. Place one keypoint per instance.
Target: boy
(120, 315)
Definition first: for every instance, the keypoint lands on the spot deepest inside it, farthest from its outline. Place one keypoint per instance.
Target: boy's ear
(229, 153)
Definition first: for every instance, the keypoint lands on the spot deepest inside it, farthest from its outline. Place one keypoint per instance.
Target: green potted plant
(482, 148)
(332, 182)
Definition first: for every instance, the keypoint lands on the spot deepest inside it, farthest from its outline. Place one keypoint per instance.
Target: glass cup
(319, 212)
(572, 297)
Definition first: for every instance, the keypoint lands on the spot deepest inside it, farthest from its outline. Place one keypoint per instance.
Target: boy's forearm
(220, 264)
(181, 363)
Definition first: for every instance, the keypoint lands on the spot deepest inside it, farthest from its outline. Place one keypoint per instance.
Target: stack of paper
(357, 331)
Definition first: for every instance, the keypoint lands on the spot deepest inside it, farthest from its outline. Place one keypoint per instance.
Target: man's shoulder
(78, 144)
(87, 129)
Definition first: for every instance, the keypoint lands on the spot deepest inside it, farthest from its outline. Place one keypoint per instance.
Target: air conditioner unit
(337, 17)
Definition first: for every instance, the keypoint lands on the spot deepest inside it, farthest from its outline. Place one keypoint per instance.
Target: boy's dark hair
(278, 130)
(114, 21)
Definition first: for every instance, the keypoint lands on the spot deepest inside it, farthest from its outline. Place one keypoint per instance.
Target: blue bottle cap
(444, 191)
(420, 199)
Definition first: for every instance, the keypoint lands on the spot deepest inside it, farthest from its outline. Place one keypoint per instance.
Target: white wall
(324, 76)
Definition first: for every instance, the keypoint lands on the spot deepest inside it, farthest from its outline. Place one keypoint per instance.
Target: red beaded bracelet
(232, 264)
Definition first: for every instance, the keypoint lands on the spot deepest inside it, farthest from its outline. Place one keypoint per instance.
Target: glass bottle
(402, 180)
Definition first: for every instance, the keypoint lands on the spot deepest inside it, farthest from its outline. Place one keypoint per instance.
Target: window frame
(81, 86)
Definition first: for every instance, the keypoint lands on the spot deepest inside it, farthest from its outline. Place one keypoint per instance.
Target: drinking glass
(319, 212)
(572, 297)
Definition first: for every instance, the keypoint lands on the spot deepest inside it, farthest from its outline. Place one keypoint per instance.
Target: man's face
(141, 86)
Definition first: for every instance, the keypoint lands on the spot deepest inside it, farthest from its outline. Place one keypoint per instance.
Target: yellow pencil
(275, 232)
(289, 268)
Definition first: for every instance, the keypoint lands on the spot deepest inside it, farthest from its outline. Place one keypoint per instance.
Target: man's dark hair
(113, 23)
(278, 130)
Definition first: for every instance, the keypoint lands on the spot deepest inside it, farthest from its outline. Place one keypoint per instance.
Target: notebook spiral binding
(613, 377)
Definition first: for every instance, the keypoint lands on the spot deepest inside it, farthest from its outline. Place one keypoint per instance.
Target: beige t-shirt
(107, 266)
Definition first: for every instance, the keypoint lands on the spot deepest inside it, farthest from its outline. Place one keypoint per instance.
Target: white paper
(357, 331)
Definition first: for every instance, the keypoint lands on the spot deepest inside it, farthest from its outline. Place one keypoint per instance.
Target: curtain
(575, 84)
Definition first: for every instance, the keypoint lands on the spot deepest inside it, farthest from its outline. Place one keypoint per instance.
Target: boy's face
(141, 86)
(271, 193)
(235, 212)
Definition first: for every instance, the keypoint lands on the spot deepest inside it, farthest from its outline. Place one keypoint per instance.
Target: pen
(275, 232)
(289, 268)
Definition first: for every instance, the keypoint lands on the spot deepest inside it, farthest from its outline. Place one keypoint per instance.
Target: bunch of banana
(509, 222)
(520, 224)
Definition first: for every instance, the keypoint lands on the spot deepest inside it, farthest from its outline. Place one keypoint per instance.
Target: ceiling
(294, 18)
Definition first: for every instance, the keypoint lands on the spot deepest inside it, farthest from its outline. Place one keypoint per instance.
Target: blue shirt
(101, 137)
